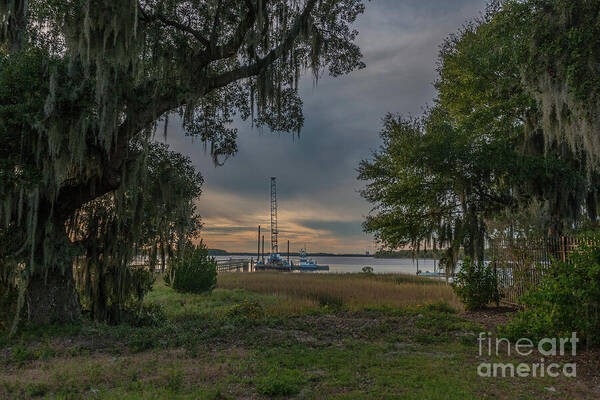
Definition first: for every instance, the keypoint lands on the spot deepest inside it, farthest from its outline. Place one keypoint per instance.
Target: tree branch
(254, 69)
(143, 114)
(232, 46)
(177, 25)
(215, 28)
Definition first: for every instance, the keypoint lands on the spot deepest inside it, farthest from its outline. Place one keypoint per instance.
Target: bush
(195, 272)
(367, 269)
(246, 309)
(476, 285)
(566, 300)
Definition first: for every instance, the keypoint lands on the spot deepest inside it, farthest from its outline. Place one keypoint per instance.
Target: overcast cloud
(318, 195)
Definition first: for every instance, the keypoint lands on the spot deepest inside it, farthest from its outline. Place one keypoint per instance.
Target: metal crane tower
(274, 232)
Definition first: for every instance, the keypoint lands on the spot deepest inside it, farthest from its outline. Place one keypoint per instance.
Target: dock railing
(234, 264)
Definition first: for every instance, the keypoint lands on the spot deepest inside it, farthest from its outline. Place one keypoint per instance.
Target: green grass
(234, 343)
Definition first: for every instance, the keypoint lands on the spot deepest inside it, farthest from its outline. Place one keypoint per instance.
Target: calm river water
(355, 264)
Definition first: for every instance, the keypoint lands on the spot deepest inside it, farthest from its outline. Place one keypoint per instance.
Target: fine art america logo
(547, 347)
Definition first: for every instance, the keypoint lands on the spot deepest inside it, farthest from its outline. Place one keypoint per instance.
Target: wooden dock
(234, 264)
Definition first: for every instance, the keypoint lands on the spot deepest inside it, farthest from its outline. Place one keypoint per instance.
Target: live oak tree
(84, 84)
(482, 152)
(482, 83)
(433, 182)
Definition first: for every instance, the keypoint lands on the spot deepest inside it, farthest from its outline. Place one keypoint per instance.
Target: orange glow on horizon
(237, 230)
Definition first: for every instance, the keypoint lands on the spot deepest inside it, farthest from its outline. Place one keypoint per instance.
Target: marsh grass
(352, 291)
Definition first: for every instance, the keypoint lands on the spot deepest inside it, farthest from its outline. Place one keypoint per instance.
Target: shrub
(246, 309)
(476, 285)
(566, 300)
(195, 272)
(367, 269)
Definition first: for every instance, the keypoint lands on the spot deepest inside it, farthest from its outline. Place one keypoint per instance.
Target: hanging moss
(157, 213)
(561, 68)
(83, 93)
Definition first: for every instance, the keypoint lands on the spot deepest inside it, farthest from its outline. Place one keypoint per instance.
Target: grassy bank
(272, 335)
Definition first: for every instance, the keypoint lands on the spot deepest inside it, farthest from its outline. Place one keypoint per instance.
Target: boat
(308, 264)
(274, 262)
(432, 274)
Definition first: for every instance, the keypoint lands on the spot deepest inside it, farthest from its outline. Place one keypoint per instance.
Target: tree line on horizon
(220, 252)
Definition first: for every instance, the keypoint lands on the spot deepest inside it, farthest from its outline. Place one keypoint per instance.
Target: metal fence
(520, 264)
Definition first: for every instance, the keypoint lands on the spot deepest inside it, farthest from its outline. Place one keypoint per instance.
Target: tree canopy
(556, 43)
(84, 85)
(482, 151)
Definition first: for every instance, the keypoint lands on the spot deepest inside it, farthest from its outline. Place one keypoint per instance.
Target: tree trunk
(52, 298)
(51, 295)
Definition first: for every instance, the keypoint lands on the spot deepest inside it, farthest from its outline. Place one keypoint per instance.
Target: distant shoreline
(401, 254)
(244, 253)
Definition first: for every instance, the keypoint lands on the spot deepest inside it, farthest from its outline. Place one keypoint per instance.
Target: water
(342, 265)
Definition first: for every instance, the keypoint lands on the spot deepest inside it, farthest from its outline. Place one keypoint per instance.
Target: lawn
(305, 336)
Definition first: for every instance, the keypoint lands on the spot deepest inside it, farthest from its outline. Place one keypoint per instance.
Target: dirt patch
(587, 360)
(491, 317)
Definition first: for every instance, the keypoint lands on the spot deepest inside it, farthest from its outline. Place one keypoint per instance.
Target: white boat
(308, 264)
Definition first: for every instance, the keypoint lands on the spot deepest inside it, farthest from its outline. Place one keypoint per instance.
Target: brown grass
(354, 291)
(155, 369)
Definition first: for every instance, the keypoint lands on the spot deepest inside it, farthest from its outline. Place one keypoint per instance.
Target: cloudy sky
(319, 204)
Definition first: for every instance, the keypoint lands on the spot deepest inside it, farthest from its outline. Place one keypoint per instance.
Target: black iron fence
(520, 264)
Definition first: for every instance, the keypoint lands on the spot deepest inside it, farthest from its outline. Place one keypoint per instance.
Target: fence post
(495, 267)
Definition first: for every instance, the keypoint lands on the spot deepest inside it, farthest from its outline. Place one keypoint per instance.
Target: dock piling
(258, 247)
